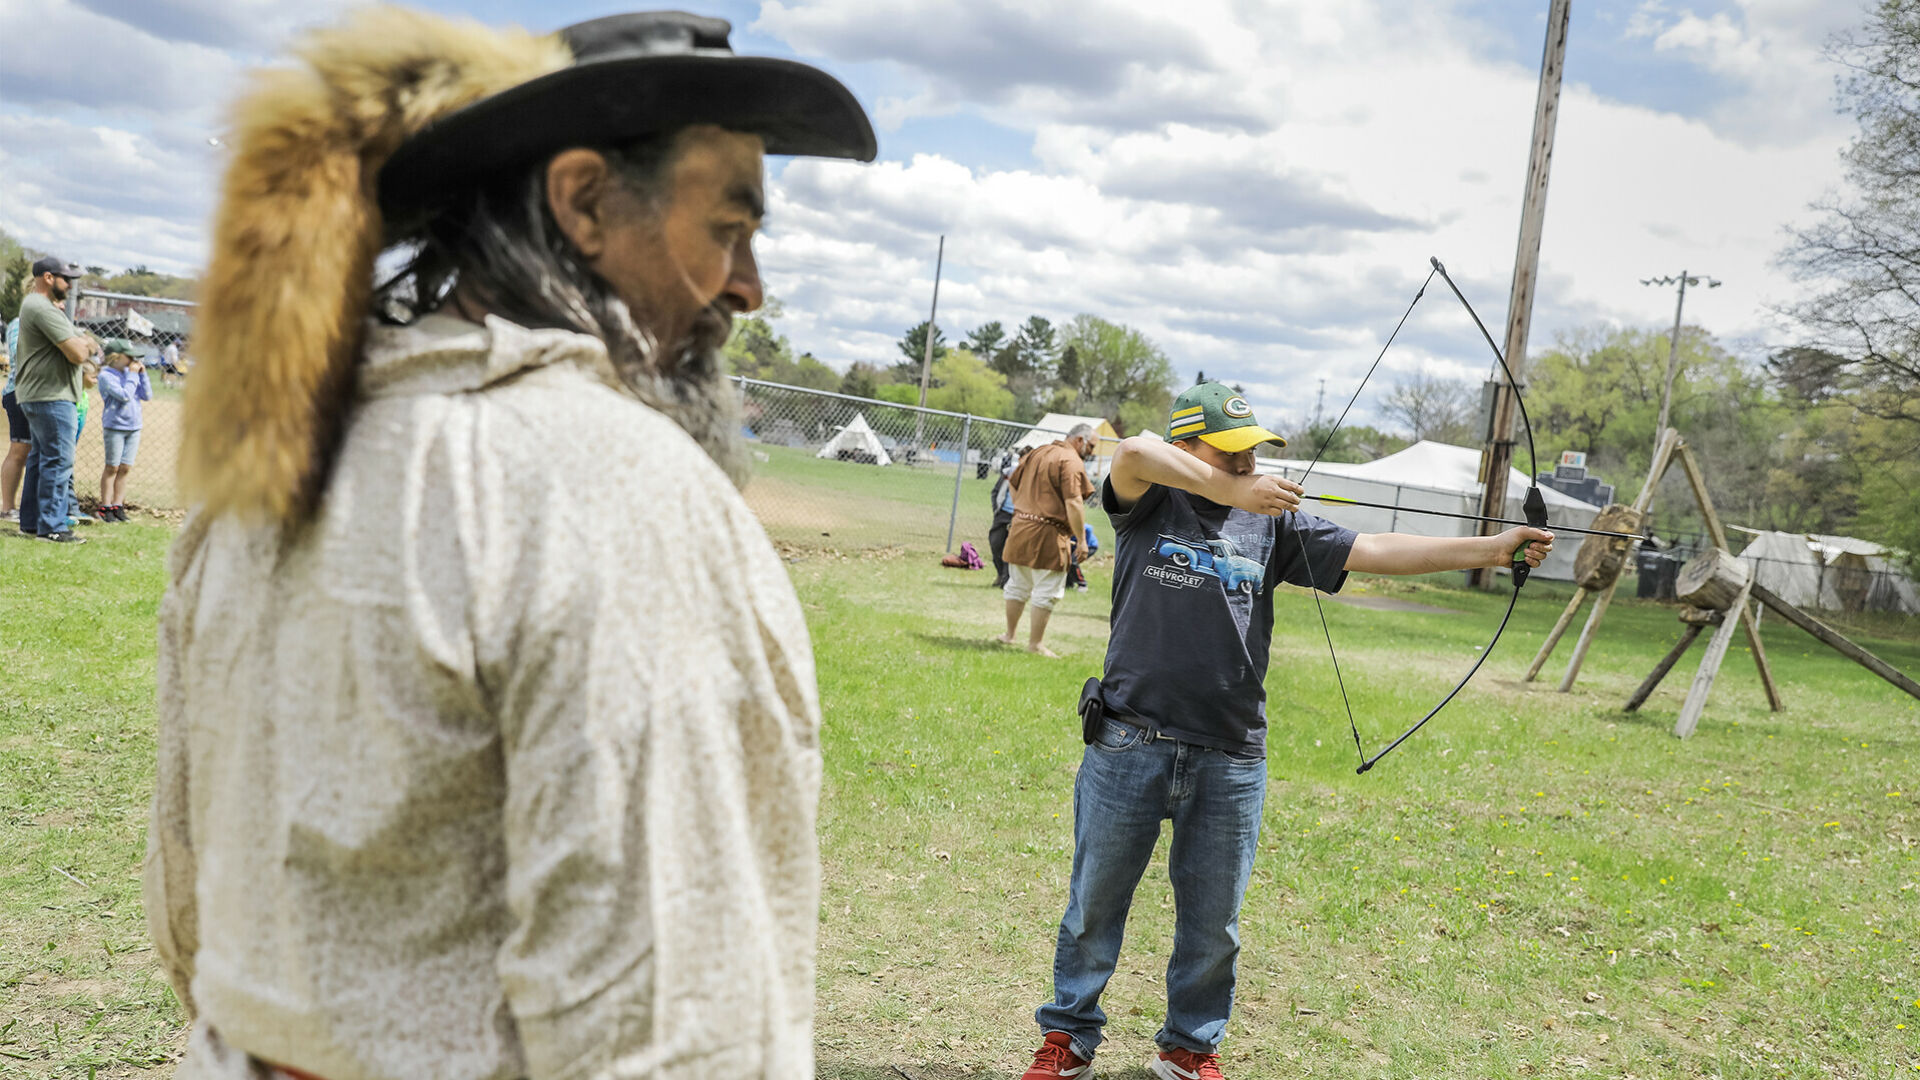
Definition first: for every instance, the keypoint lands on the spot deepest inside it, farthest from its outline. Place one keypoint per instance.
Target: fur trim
(295, 238)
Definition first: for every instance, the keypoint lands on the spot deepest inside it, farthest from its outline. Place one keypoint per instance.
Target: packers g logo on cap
(1218, 415)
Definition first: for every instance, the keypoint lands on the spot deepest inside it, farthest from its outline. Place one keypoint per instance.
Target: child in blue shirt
(123, 386)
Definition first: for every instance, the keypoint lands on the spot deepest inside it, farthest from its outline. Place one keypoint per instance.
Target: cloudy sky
(1257, 184)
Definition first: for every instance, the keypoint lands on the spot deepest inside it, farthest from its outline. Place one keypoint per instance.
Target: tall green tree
(758, 351)
(1035, 346)
(862, 379)
(1115, 364)
(1069, 374)
(11, 249)
(913, 346)
(1598, 391)
(987, 340)
(968, 385)
(13, 286)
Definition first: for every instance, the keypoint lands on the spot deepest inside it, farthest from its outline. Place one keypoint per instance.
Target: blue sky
(1257, 186)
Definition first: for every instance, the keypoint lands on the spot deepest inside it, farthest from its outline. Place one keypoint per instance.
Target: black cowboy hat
(633, 75)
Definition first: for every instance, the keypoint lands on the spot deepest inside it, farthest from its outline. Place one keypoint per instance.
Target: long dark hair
(498, 241)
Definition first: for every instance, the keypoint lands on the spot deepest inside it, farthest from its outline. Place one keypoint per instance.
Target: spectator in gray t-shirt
(47, 387)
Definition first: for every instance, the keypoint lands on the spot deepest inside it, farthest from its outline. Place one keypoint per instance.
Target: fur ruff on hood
(284, 304)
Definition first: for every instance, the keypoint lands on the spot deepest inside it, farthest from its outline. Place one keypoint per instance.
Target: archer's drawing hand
(1259, 494)
(1538, 543)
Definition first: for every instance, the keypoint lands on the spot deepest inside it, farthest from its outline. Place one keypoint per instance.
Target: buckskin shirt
(507, 764)
(1041, 484)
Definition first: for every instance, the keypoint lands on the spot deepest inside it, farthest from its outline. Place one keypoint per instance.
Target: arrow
(1467, 517)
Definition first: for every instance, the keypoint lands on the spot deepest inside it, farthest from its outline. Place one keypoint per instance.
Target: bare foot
(1042, 650)
(1004, 639)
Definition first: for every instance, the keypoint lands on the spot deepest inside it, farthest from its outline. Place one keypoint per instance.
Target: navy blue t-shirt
(1193, 611)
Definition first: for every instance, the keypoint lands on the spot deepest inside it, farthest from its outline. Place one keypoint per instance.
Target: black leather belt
(1134, 721)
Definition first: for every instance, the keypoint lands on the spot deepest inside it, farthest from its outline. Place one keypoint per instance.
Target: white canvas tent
(1831, 573)
(856, 442)
(1431, 476)
(1054, 426)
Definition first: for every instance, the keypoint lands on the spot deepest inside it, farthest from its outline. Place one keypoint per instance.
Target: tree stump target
(1598, 563)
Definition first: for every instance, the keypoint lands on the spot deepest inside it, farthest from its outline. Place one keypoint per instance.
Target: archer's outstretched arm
(1143, 461)
(1400, 553)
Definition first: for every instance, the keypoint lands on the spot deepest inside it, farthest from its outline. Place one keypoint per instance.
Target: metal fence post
(959, 471)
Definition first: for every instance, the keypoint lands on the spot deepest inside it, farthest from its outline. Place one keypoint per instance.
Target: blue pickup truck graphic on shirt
(1217, 557)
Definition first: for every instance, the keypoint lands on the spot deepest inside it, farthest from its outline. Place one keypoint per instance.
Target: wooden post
(1719, 534)
(1709, 667)
(1833, 638)
(1665, 665)
(1526, 266)
(1553, 636)
(1662, 457)
(926, 357)
(1586, 637)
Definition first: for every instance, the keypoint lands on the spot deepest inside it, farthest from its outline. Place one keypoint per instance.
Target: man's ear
(578, 183)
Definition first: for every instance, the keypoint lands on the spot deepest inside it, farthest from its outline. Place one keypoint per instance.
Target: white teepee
(856, 442)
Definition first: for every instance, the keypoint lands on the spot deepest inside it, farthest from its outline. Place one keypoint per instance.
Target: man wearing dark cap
(454, 779)
(47, 389)
(1178, 719)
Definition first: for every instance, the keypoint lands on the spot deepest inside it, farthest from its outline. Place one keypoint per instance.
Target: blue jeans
(1128, 784)
(54, 426)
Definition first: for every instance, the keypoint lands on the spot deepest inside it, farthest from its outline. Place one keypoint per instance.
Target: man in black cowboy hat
(489, 737)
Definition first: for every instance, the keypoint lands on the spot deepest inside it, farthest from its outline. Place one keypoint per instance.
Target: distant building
(1570, 478)
(120, 315)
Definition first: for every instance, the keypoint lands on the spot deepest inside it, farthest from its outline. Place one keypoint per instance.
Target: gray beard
(693, 390)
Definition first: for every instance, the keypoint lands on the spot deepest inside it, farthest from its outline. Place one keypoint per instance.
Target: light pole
(1673, 348)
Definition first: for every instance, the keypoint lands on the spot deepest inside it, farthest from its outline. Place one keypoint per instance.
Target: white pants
(1041, 588)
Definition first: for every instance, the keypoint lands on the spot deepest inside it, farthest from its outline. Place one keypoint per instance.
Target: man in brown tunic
(1050, 490)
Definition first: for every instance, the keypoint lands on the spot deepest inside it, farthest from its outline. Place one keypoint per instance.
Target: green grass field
(1537, 884)
(807, 502)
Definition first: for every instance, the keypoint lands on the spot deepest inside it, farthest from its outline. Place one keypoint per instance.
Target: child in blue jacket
(123, 386)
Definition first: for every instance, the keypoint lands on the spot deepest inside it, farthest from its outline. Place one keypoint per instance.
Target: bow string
(1533, 505)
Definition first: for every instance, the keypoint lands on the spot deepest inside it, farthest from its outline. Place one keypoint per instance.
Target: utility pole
(1673, 347)
(1498, 457)
(926, 356)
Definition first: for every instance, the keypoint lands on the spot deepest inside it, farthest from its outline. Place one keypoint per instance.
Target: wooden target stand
(1713, 584)
(1716, 587)
(1598, 567)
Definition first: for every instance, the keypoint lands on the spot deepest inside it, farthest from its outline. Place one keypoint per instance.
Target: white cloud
(1770, 50)
(253, 26)
(61, 55)
(1280, 250)
(1256, 186)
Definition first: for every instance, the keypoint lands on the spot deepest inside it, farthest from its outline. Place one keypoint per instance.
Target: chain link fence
(834, 471)
(160, 331)
(830, 470)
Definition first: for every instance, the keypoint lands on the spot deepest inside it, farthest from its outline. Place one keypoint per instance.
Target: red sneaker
(1055, 1059)
(1182, 1064)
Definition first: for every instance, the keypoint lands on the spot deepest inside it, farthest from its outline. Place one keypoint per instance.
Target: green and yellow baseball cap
(1217, 414)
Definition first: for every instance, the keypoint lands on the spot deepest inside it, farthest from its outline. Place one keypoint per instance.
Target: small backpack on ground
(967, 559)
